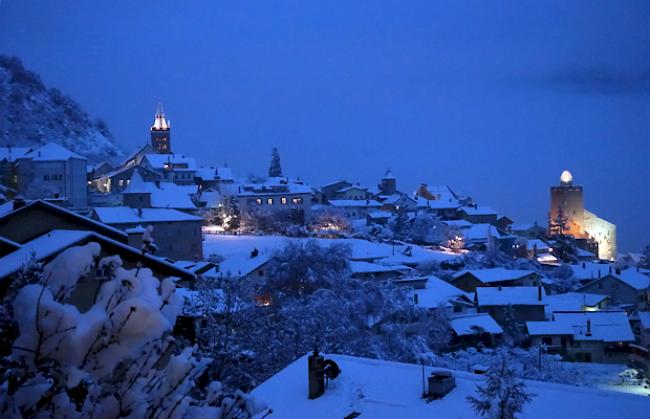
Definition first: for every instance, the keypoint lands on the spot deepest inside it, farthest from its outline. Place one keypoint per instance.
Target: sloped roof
(495, 274)
(158, 161)
(478, 210)
(606, 326)
(127, 215)
(12, 153)
(633, 278)
(51, 152)
(471, 324)
(437, 292)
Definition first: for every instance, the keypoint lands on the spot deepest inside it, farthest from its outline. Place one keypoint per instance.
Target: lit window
(283, 200)
(269, 201)
(259, 201)
(296, 201)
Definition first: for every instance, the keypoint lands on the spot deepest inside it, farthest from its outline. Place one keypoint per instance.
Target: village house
(353, 192)
(328, 191)
(469, 280)
(117, 180)
(628, 289)
(478, 215)
(246, 267)
(584, 336)
(213, 178)
(275, 194)
(522, 303)
(470, 330)
(528, 230)
(176, 234)
(141, 194)
(52, 172)
(575, 301)
(354, 208)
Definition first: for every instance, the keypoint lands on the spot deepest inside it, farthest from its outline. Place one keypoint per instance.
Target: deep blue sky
(494, 100)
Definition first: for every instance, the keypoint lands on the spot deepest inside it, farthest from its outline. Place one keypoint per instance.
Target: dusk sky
(494, 100)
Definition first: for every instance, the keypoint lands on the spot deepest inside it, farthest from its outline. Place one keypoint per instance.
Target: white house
(55, 173)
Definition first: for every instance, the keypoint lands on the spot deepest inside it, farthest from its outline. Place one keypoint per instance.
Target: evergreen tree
(645, 258)
(502, 396)
(275, 170)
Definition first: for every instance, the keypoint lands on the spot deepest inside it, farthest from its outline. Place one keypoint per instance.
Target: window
(296, 201)
(269, 201)
(457, 309)
(46, 177)
(547, 341)
(283, 200)
(260, 272)
(259, 201)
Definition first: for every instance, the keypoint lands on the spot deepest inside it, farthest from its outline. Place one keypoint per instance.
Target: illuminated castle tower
(580, 223)
(569, 199)
(161, 132)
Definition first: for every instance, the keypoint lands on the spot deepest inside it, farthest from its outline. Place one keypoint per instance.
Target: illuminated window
(296, 201)
(269, 201)
(283, 200)
(259, 201)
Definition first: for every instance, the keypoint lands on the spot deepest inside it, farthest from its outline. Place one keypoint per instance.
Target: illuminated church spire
(161, 132)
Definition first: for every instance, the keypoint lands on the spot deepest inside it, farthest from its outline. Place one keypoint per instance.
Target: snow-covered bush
(330, 224)
(117, 358)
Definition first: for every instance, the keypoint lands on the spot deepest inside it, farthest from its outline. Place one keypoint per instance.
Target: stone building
(567, 199)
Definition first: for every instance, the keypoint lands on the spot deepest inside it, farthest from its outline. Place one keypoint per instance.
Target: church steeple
(161, 132)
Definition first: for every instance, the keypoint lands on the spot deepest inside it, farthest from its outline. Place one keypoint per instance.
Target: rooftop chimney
(588, 327)
(415, 299)
(18, 202)
(539, 292)
(320, 368)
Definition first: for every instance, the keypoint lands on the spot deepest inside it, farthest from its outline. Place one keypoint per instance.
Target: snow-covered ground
(228, 245)
(380, 389)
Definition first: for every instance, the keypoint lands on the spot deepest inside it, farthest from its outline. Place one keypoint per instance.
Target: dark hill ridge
(33, 114)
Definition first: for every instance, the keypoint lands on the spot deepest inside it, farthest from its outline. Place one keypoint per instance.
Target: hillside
(33, 114)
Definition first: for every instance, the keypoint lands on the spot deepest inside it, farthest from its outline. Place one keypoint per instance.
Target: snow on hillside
(33, 114)
(381, 389)
(227, 245)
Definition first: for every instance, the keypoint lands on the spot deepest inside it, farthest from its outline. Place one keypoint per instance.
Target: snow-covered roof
(55, 241)
(525, 226)
(470, 324)
(127, 215)
(179, 162)
(495, 274)
(387, 390)
(606, 326)
(165, 195)
(436, 293)
(458, 223)
(478, 210)
(571, 301)
(438, 204)
(360, 267)
(533, 244)
(12, 153)
(633, 278)
(51, 152)
(380, 214)
(481, 232)
(360, 203)
(241, 265)
(501, 296)
(590, 270)
(271, 186)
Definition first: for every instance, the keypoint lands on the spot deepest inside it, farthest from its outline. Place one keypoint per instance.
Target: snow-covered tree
(502, 396)
(117, 358)
(427, 228)
(303, 267)
(275, 170)
(559, 224)
(226, 214)
(401, 226)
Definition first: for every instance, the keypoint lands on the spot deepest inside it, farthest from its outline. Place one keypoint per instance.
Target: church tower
(161, 132)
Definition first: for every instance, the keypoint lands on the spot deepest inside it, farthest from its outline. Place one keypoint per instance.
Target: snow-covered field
(380, 389)
(229, 245)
